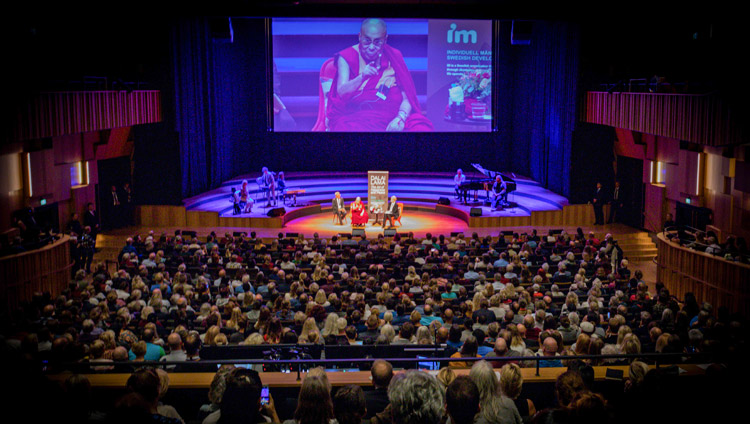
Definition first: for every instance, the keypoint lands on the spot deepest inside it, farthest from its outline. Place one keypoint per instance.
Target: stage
(418, 191)
(533, 205)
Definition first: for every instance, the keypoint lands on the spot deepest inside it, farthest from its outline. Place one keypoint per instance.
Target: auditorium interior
(168, 195)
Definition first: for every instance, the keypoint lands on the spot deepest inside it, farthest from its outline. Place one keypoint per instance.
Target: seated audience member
(144, 383)
(240, 401)
(462, 400)
(495, 408)
(349, 405)
(377, 399)
(468, 350)
(165, 410)
(416, 398)
(511, 384)
(314, 404)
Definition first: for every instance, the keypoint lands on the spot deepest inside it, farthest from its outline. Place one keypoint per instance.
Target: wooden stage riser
(177, 216)
(711, 279)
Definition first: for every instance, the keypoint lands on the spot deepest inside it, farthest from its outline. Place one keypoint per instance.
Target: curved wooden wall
(712, 279)
(178, 216)
(43, 270)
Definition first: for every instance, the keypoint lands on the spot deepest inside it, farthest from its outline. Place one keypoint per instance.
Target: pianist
(459, 179)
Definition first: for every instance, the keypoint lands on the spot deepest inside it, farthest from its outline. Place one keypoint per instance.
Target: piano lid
(487, 172)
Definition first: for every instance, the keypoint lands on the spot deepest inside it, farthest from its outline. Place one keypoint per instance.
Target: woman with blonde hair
(411, 274)
(310, 332)
(495, 408)
(329, 326)
(424, 335)
(623, 331)
(516, 341)
(582, 344)
(388, 331)
(445, 376)
(511, 384)
(321, 298)
(210, 336)
(236, 317)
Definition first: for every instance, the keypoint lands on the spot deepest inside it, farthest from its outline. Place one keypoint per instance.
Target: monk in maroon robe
(373, 89)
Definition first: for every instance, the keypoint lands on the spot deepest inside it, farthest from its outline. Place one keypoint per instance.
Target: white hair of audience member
(574, 319)
(424, 335)
(388, 331)
(416, 398)
(610, 349)
(329, 327)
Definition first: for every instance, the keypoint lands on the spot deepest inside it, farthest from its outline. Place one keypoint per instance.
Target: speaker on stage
(389, 232)
(444, 201)
(276, 212)
(358, 232)
(475, 212)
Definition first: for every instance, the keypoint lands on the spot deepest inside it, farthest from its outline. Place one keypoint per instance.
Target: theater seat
(327, 74)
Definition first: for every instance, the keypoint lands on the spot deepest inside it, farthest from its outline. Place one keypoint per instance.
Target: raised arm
(343, 84)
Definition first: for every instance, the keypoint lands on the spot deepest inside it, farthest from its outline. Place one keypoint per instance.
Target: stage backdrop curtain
(203, 100)
(545, 102)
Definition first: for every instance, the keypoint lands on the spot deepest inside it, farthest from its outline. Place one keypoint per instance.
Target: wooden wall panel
(201, 219)
(161, 216)
(654, 207)
(43, 270)
(698, 118)
(61, 113)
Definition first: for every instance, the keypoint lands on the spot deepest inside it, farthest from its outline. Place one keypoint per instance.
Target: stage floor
(416, 190)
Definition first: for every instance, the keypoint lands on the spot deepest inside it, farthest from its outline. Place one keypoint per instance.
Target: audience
(515, 303)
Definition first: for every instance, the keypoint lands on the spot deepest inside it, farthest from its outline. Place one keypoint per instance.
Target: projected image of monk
(373, 89)
(382, 75)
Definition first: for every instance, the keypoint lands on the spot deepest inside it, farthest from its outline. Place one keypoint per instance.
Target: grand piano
(476, 184)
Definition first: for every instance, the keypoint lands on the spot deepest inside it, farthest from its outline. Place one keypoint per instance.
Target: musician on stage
(268, 183)
(459, 179)
(281, 185)
(500, 189)
(359, 213)
(246, 203)
(339, 209)
(391, 213)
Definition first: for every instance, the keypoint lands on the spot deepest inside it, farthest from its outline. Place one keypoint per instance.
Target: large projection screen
(378, 75)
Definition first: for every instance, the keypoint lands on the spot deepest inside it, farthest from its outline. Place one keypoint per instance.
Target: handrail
(301, 362)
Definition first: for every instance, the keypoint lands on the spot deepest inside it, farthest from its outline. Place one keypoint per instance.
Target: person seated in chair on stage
(268, 184)
(339, 209)
(281, 185)
(459, 179)
(246, 203)
(500, 189)
(235, 199)
(359, 213)
(391, 213)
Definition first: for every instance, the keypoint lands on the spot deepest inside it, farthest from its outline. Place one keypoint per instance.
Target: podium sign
(377, 190)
